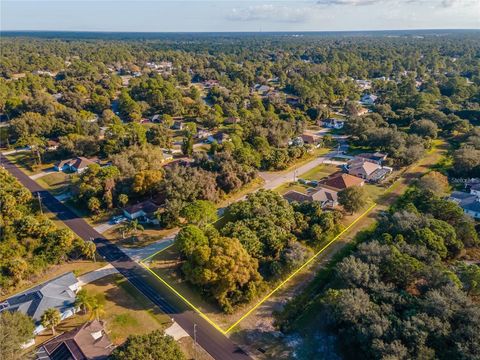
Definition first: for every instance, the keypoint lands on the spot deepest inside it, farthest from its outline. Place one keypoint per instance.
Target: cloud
(434, 3)
(270, 12)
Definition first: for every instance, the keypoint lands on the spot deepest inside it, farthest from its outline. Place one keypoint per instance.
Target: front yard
(126, 311)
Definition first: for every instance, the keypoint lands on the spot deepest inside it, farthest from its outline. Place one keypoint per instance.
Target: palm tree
(51, 318)
(83, 300)
(130, 227)
(96, 306)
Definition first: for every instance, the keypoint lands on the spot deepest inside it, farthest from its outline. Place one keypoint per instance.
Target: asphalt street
(215, 343)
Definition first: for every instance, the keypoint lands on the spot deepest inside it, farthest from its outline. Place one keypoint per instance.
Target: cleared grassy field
(55, 182)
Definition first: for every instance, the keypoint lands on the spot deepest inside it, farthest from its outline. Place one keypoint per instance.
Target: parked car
(118, 219)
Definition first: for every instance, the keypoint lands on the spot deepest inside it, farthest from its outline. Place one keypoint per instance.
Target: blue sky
(229, 15)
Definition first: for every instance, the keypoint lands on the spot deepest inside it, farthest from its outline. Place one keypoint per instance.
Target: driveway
(42, 173)
(103, 227)
(97, 274)
(139, 254)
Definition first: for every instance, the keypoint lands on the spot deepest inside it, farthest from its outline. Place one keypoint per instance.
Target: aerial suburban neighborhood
(239, 195)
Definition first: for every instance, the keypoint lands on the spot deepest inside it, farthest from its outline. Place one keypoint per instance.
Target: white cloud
(270, 12)
(433, 3)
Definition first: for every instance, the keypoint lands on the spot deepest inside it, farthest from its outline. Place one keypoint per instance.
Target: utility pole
(195, 341)
(294, 175)
(40, 202)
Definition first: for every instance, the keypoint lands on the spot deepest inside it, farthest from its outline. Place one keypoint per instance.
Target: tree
(83, 300)
(130, 227)
(16, 329)
(435, 182)
(187, 145)
(50, 319)
(353, 198)
(94, 205)
(200, 212)
(89, 249)
(425, 128)
(122, 200)
(96, 305)
(147, 181)
(153, 346)
(470, 277)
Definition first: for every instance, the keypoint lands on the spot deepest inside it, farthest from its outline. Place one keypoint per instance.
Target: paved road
(215, 343)
(275, 179)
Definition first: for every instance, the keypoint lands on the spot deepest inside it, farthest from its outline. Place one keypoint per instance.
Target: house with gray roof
(58, 293)
(469, 202)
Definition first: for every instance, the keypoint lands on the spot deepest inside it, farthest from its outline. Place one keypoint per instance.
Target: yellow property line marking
(184, 299)
(271, 292)
(157, 252)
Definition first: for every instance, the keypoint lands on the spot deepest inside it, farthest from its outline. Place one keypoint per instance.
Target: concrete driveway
(139, 254)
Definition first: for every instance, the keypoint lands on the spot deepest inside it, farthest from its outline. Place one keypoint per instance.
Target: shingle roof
(342, 181)
(147, 206)
(80, 343)
(296, 196)
(55, 293)
(367, 166)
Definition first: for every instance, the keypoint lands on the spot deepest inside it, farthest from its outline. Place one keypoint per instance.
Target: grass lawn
(144, 238)
(126, 311)
(23, 159)
(320, 172)
(291, 186)
(55, 182)
(79, 267)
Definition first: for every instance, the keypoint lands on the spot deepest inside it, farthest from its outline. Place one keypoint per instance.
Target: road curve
(215, 343)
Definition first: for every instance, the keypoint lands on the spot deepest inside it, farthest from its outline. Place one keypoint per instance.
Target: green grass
(319, 172)
(291, 186)
(55, 182)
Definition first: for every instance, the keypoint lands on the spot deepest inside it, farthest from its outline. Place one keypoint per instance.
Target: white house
(368, 99)
(78, 164)
(58, 293)
(332, 123)
(143, 209)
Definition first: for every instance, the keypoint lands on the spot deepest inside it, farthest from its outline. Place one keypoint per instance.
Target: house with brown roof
(327, 197)
(87, 342)
(341, 181)
(143, 209)
(310, 138)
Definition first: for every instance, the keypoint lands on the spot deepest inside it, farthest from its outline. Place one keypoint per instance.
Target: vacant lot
(55, 182)
(320, 172)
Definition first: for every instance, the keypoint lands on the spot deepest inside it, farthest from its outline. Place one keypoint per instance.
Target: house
(210, 83)
(156, 118)
(177, 125)
(332, 123)
(87, 342)
(327, 197)
(142, 209)
(167, 156)
(221, 137)
(368, 99)
(475, 190)
(469, 202)
(203, 134)
(310, 138)
(364, 84)
(78, 164)
(296, 196)
(231, 120)
(341, 181)
(58, 293)
(375, 157)
(262, 89)
(52, 145)
(362, 111)
(362, 169)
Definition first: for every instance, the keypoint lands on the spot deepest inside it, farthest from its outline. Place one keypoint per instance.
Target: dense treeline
(402, 294)
(264, 239)
(29, 242)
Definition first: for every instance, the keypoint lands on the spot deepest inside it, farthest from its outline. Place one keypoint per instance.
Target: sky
(229, 15)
